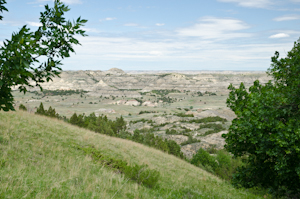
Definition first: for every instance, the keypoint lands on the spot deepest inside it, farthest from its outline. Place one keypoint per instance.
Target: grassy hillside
(37, 160)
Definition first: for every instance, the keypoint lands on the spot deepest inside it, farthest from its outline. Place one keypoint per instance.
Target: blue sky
(171, 34)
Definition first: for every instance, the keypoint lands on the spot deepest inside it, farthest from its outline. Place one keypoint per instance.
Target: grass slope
(37, 161)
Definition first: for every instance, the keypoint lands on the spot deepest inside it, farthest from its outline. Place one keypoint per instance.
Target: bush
(22, 107)
(190, 140)
(142, 175)
(184, 115)
(227, 165)
(204, 159)
(139, 173)
(171, 132)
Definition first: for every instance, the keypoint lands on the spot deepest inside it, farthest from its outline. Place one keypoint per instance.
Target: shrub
(139, 173)
(142, 175)
(190, 140)
(171, 132)
(184, 115)
(227, 164)
(22, 107)
(203, 158)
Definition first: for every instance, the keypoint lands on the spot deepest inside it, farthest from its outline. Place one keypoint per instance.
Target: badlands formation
(117, 82)
(150, 101)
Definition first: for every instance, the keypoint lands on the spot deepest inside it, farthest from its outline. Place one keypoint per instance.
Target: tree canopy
(20, 57)
(267, 128)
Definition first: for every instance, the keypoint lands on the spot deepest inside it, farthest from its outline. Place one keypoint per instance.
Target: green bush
(203, 158)
(190, 140)
(216, 128)
(22, 107)
(184, 115)
(139, 173)
(171, 132)
(142, 175)
(207, 119)
(227, 164)
(223, 164)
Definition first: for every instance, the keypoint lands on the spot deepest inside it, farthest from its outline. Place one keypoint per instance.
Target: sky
(170, 34)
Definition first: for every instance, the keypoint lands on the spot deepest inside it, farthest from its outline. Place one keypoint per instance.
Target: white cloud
(287, 18)
(108, 19)
(157, 53)
(36, 24)
(160, 24)
(99, 51)
(90, 30)
(279, 35)
(251, 3)
(216, 28)
(131, 24)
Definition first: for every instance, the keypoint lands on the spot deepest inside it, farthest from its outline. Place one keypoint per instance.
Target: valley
(170, 104)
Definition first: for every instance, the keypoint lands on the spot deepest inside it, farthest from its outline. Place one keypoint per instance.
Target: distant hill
(38, 160)
(117, 82)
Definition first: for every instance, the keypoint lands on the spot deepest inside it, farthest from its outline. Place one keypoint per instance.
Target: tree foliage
(20, 57)
(267, 127)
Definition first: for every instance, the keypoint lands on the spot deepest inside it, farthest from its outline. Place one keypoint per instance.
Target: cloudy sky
(171, 34)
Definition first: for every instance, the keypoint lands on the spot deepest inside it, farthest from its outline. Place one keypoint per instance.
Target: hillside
(38, 160)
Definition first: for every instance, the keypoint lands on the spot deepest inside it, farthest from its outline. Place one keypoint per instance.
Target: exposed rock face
(132, 103)
(170, 119)
(117, 82)
(148, 103)
(105, 111)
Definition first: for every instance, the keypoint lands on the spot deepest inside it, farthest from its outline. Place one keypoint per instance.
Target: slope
(38, 161)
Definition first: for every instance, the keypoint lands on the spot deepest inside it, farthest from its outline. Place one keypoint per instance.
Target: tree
(267, 128)
(20, 57)
(74, 119)
(22, 107)
(41, 110)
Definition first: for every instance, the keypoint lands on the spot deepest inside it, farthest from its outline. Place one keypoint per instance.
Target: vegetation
(47, 145)
(267, 128)
(164, 75)
(183, 115)
(168, 146)
(45, 92)
(165, 92)
(38, 160)
(141, 120)
(116, 128)
(190, 140)
(22, 54)
(223, 164)
(143, 112)
(139, 173)
(210, 93)
(206, 120)
(50, 112)
(22, 107)
(215, 128)
(167, 99)
(171, 132)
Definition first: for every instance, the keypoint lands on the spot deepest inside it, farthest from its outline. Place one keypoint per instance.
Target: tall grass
(37, 161)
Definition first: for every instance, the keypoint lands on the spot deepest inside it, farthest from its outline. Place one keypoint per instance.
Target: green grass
(37, 160)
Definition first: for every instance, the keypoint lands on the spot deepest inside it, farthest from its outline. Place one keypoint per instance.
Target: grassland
(37, 160)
